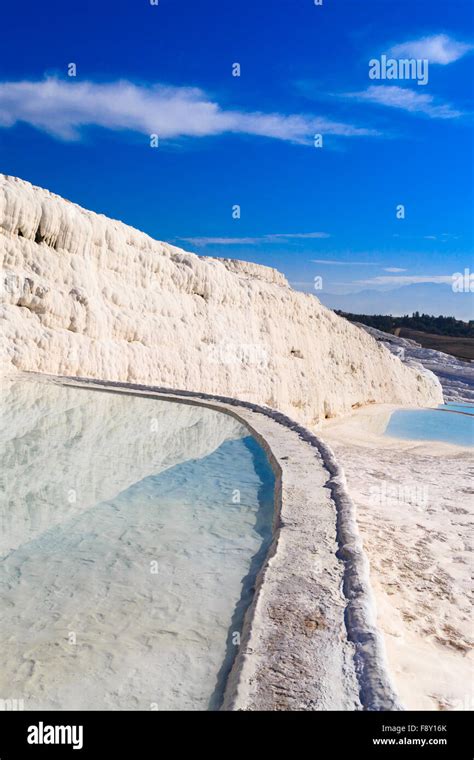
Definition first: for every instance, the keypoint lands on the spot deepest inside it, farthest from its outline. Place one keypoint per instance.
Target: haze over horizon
(249, 140)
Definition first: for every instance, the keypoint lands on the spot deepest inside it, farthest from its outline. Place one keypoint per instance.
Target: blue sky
(249, 140)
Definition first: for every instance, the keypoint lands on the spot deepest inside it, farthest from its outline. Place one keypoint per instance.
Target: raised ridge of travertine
(87, 295)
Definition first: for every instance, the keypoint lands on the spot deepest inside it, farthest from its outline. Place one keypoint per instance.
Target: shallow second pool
(132, 530)
(457, 407)
(451, 423)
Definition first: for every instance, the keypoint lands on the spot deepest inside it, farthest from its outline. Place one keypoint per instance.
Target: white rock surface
(414, 511)
(89, 296)
(456, 376)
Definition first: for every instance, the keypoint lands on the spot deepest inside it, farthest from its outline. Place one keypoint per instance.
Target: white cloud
(437, 48)
(202, 241)
(344, 263)
(444, 237)
(302, 235)
(405, 279)
(407, 100)
(394, 269)
(62, 108)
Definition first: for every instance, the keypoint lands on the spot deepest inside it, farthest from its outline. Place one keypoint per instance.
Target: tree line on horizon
(424, 322)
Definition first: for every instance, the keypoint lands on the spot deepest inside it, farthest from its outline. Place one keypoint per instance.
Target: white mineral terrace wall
(90, 296)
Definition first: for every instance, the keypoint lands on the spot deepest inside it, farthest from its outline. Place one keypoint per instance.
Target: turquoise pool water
(465, 408)
(132, 533)
(433, 425)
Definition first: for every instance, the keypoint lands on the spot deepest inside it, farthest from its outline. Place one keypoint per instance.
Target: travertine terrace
(86, 295)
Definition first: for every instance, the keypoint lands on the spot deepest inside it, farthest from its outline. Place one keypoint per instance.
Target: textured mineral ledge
(90, 296)
(310, 640)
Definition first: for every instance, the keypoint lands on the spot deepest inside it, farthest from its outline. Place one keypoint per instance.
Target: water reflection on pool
(446, 424)
(132, 532)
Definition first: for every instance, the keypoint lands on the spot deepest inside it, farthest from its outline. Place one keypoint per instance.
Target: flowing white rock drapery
(84, 295)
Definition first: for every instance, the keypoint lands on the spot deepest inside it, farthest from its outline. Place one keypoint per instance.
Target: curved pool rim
(367, 682)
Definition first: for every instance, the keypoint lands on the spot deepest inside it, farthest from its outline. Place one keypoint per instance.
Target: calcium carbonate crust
(86, 295)
(279, 664)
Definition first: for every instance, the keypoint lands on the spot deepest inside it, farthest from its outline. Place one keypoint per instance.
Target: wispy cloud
(442, 236)
(405, 279)
(407, 100)
(333, 262)
(437, 48)
(301, 235)
(278, 237)
(203, 241)
(63, 108)
(394, 269)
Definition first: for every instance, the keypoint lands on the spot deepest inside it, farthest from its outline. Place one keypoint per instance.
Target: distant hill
(460, 346)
